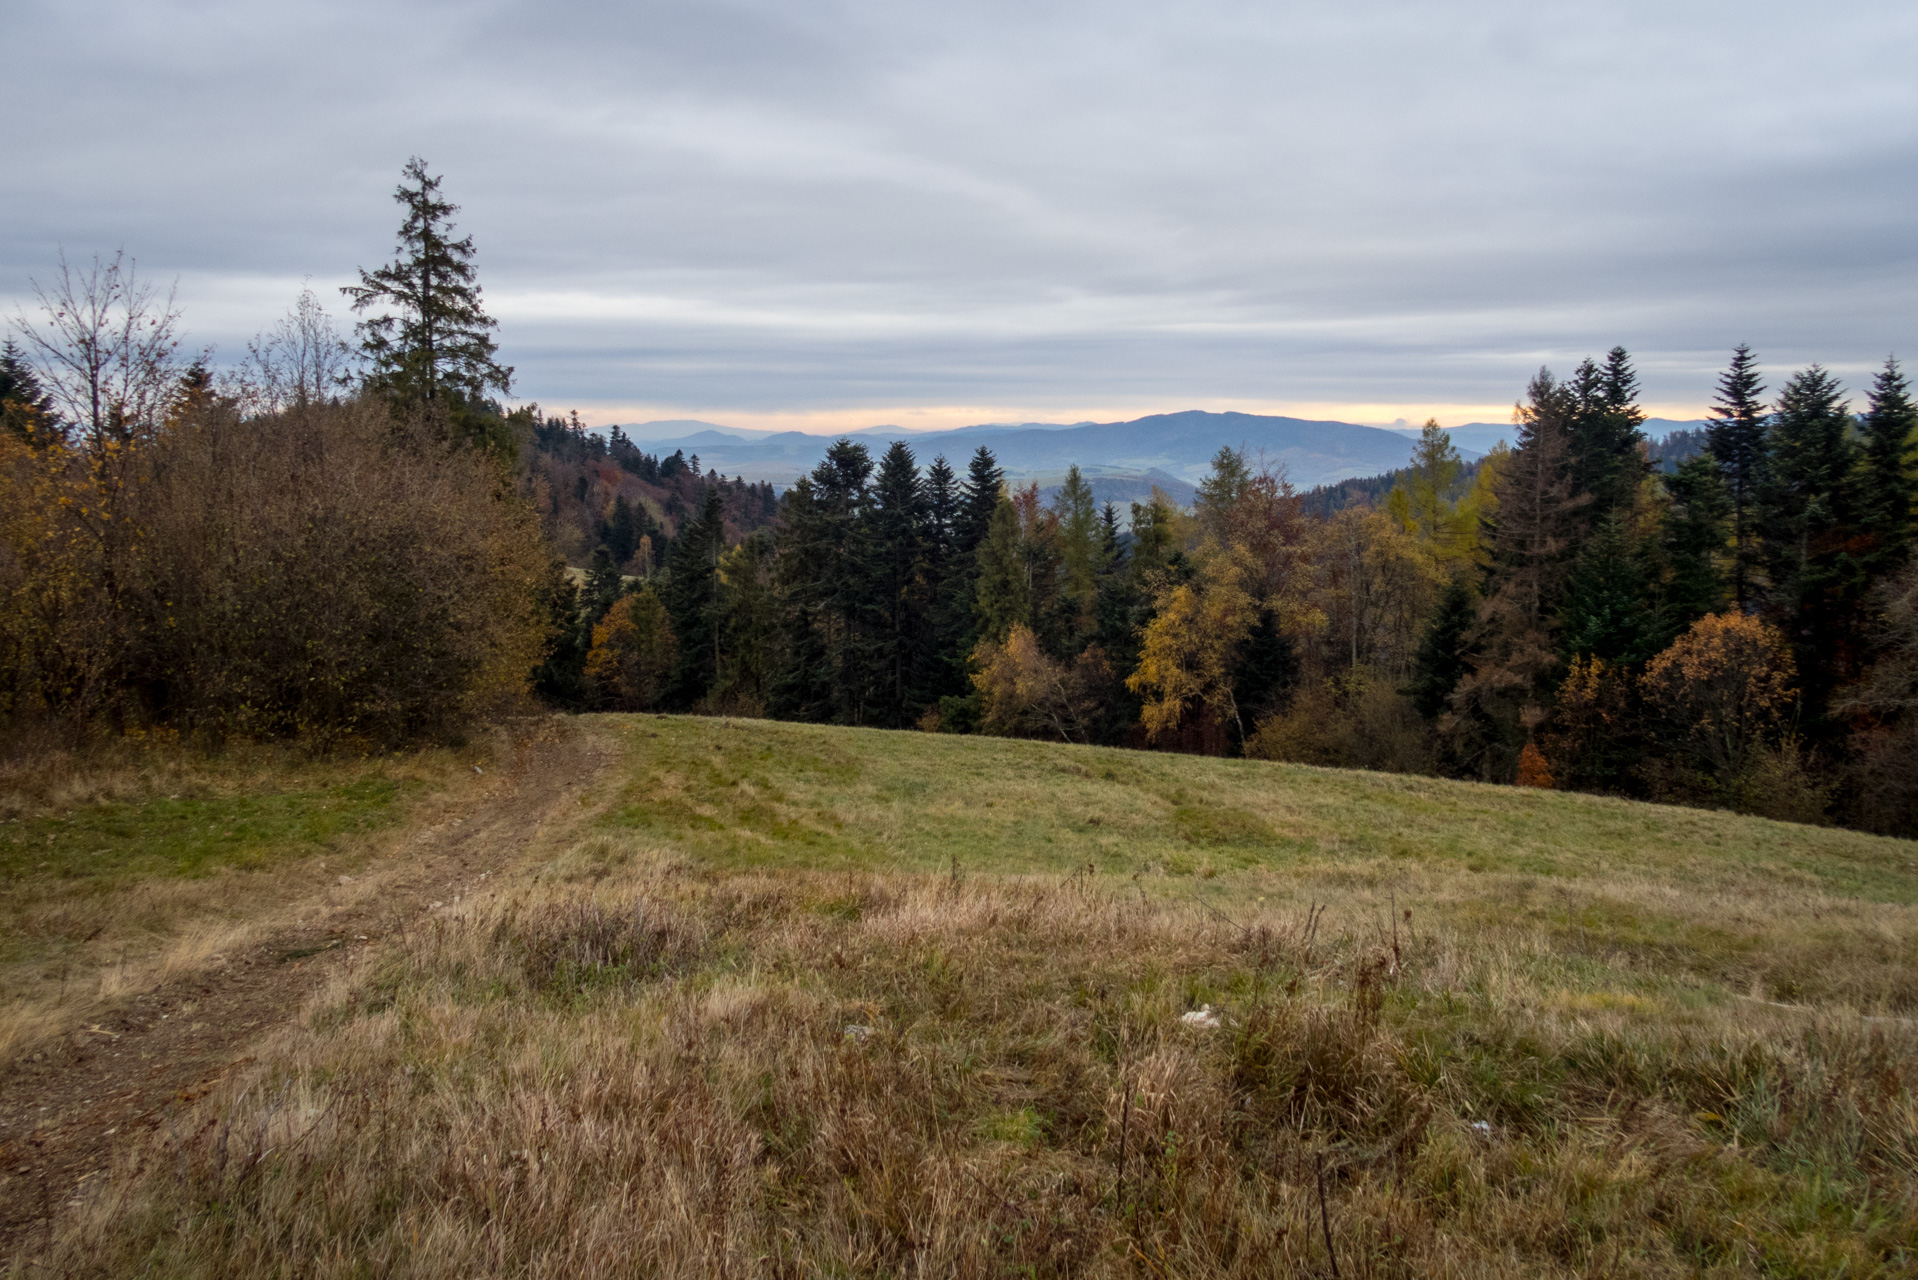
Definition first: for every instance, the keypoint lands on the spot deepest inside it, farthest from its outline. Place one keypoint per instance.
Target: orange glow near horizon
(919, 418)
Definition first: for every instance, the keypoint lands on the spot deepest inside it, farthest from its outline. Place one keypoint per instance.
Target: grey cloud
(769, 206)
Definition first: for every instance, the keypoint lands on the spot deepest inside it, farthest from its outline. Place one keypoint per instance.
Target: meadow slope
(772, 999)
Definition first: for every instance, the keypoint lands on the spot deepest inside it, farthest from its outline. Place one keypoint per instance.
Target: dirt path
(64, 1110)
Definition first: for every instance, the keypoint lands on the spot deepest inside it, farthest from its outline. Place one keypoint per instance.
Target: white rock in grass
(859, 1034)
(1203, 1016)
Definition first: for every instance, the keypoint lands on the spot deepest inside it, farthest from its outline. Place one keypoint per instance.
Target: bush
(320, 572)
(1351, 722)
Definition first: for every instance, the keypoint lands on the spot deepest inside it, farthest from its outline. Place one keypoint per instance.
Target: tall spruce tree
(1607, 457)
(1886, 497)
(979, 496)
(1604, 614)
(897, 529)
(693, 601)
(26, 408)
(1693, 530)
(1444, 650)
(1817, 578)
(842, 483)
(1003, 599)
(1080, 547)
(1736, 440)
(430, 342)
(949, 573)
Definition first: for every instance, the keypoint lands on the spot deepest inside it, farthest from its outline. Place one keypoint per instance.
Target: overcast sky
(842, 214)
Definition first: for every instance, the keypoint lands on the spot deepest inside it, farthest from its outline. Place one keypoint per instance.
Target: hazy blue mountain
(1116, 456)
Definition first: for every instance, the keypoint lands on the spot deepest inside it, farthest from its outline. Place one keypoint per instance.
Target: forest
(366, 543)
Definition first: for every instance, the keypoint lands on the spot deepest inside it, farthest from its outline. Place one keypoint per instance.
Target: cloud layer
(869, 211)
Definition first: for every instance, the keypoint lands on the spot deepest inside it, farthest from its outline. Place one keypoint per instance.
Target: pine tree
(1693, 531)
(979, 496)
(848, 611)
(1809, 517)
(1604, 614)
(897, 521)
(1736, 440)
(603, 586)
(1268, 668)
(1886, 497)
(693, 601)
(1443, 654)
(431, 342)
(1607, 458)
(26, 409)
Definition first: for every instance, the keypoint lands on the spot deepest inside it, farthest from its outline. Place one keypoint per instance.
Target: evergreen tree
(897, 521)
(1080, 546)
(693, 602)
(1607, 458)
(1693, 531)
(603, 586)
(979, 496)
(1003, 598)
(950, 575)
(1817, 575)
(1604, 614)
(431, 342)
(26, 409)
(1443, 654)
(1886, 498)
(1736, 440)
(801, 685)
(622, 531)
(1267, 671)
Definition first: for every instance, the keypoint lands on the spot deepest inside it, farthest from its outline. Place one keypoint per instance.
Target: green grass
(759, 793)
(194, 836)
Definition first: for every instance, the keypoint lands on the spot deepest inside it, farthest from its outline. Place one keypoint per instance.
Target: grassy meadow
(789, 1000)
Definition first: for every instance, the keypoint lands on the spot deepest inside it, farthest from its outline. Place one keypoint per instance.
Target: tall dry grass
(628, 1064)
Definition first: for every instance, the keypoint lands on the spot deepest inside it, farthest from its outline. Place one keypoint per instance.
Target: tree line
(359, 541)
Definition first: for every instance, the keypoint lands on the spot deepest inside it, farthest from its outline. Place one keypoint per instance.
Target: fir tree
(898, 536)
(603, 586)
(1817, 578)
(1080, 545)
(431, 342)
(1885, 481)
(1606, 447)
(978, 498)
(26, 409)
(693, 601)
(1604, 614)
(1736, 440)
(1693, 531)
(1443, 657)
(1268, 668)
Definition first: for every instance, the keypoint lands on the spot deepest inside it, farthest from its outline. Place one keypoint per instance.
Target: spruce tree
(430, 343)
(978, 497)
(1604, 614)
(693, 601)
(1444, 650)
(1693, 531)
(897, 523)
(1736, 440)
(849, 611)
(26, 409)
(1817, 579)
(1886, 496)
(949, 576)
(1607, 458)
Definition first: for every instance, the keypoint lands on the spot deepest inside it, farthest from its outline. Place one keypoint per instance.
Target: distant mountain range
(1123, 461)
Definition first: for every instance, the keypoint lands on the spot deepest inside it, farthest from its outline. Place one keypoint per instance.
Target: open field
(753, 998)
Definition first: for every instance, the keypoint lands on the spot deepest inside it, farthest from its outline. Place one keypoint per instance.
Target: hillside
(699, 996)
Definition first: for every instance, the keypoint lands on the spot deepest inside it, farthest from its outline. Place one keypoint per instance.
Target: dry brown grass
(632, 1063)
(128, 866)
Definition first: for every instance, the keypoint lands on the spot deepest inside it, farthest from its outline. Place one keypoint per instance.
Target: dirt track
(65, 1110)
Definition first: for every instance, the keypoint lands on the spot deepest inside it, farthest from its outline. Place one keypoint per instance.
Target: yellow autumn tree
(1024, 692)
(1724, 690)
(633, 652)
(1186, 653)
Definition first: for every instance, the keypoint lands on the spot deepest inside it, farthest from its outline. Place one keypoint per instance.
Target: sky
(849, 213)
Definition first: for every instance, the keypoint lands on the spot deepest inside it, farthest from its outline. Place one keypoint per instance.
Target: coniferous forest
(364, 542)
